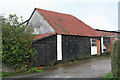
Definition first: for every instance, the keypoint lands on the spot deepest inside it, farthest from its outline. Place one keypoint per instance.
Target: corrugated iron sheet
(109, 34)
(39, 36)
(67, 24)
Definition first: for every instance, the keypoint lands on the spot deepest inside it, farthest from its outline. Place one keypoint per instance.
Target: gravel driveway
(90, 68)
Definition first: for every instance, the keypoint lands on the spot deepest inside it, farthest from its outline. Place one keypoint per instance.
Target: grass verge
(109, 76)
(31, 70)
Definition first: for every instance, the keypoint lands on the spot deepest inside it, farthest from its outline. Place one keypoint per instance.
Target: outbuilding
(62, 37)
(108, 38)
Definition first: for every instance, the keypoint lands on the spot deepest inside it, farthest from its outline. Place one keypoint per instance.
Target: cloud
(81, 10)
(97, 21)
(85, 0)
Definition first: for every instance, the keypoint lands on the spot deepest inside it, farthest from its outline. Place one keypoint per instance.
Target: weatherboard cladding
(74, 47)
(46, 51)
(67, 24)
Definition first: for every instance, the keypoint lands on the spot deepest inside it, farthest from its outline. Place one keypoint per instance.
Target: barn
(62, 37)
(108, 38)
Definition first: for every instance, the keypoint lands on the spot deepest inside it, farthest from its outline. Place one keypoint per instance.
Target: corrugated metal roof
(67, 24)
(104, 33)
(39, 36)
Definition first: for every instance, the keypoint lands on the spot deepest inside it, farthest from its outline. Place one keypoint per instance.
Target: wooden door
(98, 47)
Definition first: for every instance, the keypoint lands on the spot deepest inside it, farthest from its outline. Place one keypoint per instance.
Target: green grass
(31, 70)
(109, 76)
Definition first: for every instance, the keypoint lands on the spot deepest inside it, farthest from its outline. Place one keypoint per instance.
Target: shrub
(115, 58)
(17, 50)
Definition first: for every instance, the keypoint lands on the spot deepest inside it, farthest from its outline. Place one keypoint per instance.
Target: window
(94, 42)
(106, 40)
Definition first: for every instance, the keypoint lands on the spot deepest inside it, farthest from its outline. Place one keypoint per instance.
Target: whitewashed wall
(40, 25)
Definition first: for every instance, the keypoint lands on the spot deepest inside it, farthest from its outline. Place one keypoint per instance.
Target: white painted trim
(59, 47)
(102, 44)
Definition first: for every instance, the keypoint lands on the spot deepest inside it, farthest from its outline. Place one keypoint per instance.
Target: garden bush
(115, 58)
(16, 43)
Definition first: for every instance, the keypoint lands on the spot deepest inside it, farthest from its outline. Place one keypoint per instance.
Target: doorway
(93, 46)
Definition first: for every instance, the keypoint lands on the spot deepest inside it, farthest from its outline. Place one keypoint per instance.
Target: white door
(93, 46)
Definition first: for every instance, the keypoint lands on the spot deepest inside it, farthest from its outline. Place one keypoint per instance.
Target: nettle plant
(16, 42)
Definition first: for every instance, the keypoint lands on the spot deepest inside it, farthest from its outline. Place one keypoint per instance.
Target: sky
(98, 14)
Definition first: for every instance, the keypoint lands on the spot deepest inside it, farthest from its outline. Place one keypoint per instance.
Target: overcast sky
(99, 14)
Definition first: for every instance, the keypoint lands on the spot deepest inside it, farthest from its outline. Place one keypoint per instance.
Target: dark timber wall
(46, 51)
(74, 47)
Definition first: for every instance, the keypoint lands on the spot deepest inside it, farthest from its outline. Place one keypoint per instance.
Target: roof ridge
(54, 11)
(69, 24)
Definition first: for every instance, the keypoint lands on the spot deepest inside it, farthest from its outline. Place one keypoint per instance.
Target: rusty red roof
(104, 33)
(67, 24)
(39, 36)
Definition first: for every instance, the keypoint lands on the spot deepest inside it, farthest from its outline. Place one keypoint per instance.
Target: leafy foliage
(33, 69)
(17, 42)
(0, 34)
(110, 76)
(115, 58)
